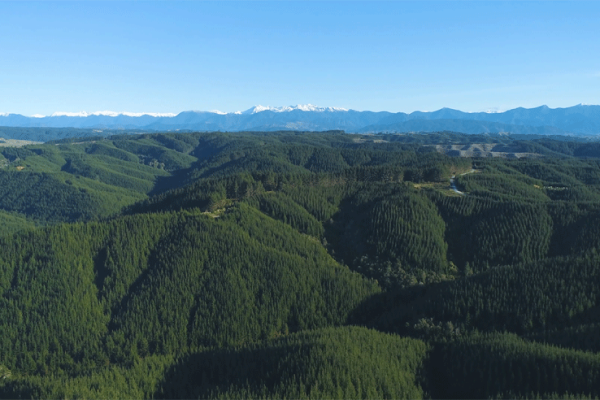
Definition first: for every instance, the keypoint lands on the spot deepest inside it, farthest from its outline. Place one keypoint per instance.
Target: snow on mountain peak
(69, 114)
(109, 114)
(253, 110)
(257, 109)
(301, 107)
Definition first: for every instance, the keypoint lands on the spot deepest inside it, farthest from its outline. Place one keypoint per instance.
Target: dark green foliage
(321, 201)
(221, 282)
(137, 381)
(114, 174)
(504, 365)
(342, 363)
(206, 194)
(57, 134)
(502, 186)
(568, 147)
(43, 196)
(576, 228)
(78, 180)
(348, 363)
(525, 298)
(323, 160)
(104, 149)
(10, 223)
(50, 313)
(484, 232)
(274, 291)
(142, 164)
(16, 153)
(283, 208)
(387, 231)
(78, 296)
(181, 143)
(152, 154)
(584, 337)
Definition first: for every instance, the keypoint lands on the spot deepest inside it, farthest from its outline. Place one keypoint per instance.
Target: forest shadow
(182, 177)
(391, 310)
(217, 372)
(175, 180)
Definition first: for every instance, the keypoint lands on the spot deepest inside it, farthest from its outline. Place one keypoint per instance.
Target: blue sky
(229, 56)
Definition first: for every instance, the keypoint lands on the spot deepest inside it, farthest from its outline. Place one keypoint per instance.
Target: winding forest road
(453, 182)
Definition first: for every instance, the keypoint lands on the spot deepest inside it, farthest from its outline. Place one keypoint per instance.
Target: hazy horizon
(112, 113)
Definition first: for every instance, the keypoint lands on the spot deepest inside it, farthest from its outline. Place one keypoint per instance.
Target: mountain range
(581, 120)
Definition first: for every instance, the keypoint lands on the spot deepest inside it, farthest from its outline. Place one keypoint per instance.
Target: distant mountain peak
(493, 110)
(109, 114)
(581, 120)
(300, 107)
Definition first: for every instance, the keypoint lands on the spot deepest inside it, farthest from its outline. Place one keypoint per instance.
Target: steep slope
(75, 296)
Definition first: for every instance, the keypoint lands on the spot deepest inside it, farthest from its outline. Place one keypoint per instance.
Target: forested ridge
(298, 265)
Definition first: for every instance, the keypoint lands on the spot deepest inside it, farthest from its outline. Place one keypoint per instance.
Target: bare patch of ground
(442, 187)
(485, 150)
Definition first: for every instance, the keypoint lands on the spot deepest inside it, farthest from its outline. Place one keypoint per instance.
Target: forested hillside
(298, 265)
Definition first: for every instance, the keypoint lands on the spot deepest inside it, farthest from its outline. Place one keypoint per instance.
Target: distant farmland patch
(15, 143)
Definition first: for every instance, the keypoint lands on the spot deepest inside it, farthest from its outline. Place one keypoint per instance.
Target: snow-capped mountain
(578, 120)
(106, 114)
(300, 107)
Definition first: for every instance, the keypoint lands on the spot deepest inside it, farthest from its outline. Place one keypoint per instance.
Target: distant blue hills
(580, 120)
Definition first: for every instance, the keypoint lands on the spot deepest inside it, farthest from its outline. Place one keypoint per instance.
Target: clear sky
(229, 56)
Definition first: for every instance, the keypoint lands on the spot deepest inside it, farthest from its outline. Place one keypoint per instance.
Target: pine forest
(299, 265)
